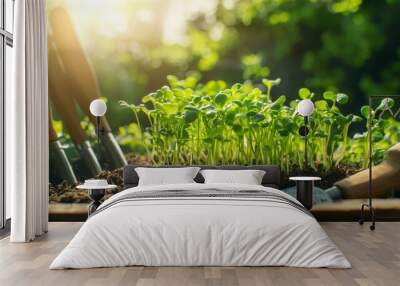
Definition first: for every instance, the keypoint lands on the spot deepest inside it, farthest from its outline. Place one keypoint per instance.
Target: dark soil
(65, 193)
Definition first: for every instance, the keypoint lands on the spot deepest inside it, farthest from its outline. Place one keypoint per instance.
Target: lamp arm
(99, 131)
(305, 144)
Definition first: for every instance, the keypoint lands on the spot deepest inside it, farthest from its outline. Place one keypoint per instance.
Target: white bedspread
(200, 231)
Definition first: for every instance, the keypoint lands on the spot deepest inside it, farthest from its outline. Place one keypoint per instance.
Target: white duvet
(194, 231)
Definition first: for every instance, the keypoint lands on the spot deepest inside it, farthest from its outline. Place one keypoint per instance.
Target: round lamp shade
(98, 107)
(305, 107)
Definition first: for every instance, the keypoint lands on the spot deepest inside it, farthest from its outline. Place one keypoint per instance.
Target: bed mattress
(201, 225)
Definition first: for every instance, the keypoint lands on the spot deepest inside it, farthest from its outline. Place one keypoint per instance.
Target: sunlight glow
(180, 12)
(140, 19)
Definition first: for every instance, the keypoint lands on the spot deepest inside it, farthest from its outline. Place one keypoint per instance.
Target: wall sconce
(305, 108)
(98, 108)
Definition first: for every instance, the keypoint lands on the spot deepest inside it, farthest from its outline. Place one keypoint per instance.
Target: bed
(197, 224)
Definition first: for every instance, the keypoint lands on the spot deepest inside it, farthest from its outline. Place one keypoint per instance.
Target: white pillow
(166, 176)
(248, 177)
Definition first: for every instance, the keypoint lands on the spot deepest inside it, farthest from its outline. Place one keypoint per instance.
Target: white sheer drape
(27, 124)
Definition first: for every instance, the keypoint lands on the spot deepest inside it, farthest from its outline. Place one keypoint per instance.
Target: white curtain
(27, 124)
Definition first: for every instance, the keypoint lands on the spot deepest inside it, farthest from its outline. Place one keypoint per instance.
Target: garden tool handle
(75, 62)
(60, 90)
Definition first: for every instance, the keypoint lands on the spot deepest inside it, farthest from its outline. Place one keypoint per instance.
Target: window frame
(6, 39)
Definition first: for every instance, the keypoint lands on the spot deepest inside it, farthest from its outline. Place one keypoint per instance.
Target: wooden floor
(375, 257)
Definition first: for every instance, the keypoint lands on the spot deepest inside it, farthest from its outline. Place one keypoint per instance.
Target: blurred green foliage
(347, 45)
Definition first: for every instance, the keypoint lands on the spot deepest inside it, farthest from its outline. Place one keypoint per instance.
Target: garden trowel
(59, 159)
(385, 178)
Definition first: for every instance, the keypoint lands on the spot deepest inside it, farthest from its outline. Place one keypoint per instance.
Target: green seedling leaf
(251, 114)
(365, 111)
(266, 82)
(208, 107)
(293, 104)
(360, 135)
(255, 93)
(240, 116)
(377, 136)
(278, 104)
(237, 128)
(211, 113)
(236, 87)
(275, 106)
(258, 117)
(247, 102)
(327, 120)
(355, 118)
(169, 108)
(283, 132)
(196, 99)
(228, 107)
(217, 121)
(165, 88)
(329, 95)
(123, 103)
(237, 102)
(304, 93)
(148, 98)
(190, 115)
(173, 81)
(342, 98)
(385, 104)
(191, 107)
(230, 116)
(221, 98)
(165, 132)
(320, 134)
(270, 83)
(276, 81)
(190, 82)
(281, 100)
(321, 105)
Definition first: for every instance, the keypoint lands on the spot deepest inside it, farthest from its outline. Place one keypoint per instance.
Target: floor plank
(375, 257)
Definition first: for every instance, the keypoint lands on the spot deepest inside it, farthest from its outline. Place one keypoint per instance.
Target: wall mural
(219, 82)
